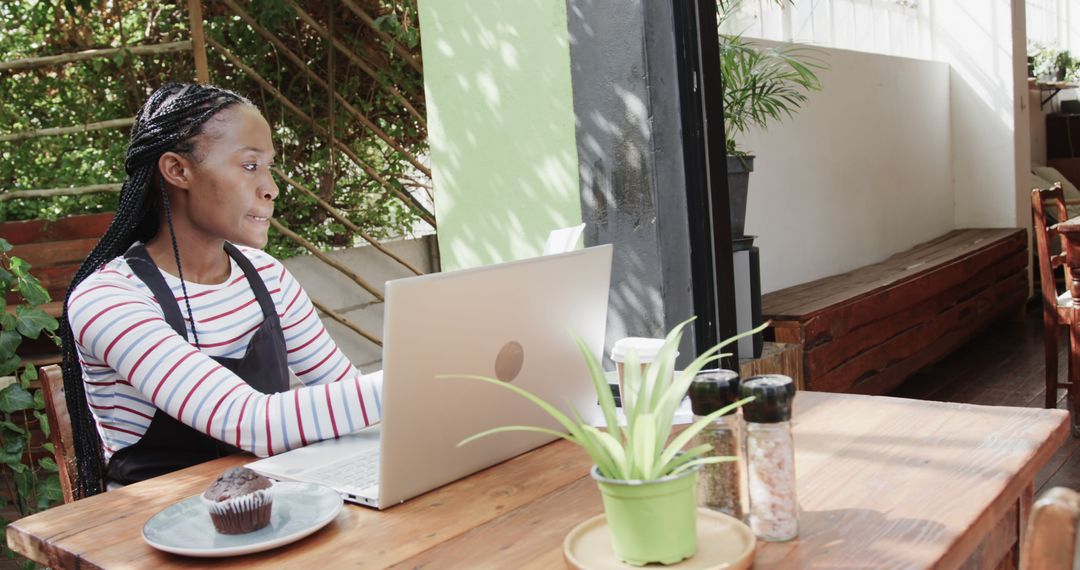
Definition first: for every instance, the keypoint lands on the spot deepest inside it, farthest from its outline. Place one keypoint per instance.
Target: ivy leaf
(24, 481)
(50, 490)
(9, 364)
(14, 446)
(5, 245)
(31, 290)
(43, 419)
(11, 426)
(9, 341)
(32, 320)
(49, 447)
(48, 464)
(29, 374)
(14, 461)
(8, 321)
(19, 267)
(15, 398)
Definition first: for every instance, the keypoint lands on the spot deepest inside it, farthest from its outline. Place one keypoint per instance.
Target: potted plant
(647, 483)
(1053, 64)
(761, 85)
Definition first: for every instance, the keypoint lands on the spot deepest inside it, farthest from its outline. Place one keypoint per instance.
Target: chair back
(1050, 542)
(1046, 219)
(52, 386)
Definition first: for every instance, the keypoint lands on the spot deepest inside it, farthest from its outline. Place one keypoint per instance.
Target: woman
(180, 333)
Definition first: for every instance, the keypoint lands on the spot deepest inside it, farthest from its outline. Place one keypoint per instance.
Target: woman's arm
(313, 356)
(117, 325)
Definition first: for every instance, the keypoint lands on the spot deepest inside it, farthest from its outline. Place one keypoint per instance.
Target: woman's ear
(175, 169)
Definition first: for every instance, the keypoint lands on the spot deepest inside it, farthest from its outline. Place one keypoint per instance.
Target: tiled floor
(1003, 366)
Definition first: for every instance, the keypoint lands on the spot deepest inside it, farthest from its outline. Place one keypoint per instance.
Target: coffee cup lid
(646, 348)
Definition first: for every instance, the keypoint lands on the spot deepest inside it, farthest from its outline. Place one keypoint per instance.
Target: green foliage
(1054, 64)
(640, 450)
(762, 85)
(103, 89)
(35, 488)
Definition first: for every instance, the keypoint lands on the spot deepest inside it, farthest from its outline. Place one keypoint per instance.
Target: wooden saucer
(724, 543)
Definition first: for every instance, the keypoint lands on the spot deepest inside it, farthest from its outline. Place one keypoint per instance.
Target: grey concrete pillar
(630, 159)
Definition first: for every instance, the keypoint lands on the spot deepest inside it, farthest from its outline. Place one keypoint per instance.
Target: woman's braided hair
(170, 119)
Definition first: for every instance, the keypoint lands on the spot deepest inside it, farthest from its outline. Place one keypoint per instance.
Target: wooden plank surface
(72, 227)
(942, 254)
(882, 482)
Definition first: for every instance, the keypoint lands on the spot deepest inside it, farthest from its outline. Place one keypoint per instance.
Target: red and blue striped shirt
(134, 363)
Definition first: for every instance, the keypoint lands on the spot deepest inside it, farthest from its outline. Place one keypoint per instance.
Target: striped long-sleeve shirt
(134, 363)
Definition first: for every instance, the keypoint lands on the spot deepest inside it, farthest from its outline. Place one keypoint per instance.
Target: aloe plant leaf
(502, 429)
(644, 446)
(603, 392)
(702, 461)
(552, 411)
(687, 434)
(597, 448)
(687, 455)
(615, 452)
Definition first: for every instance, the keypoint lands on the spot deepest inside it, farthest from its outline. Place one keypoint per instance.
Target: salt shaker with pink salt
(770, 457)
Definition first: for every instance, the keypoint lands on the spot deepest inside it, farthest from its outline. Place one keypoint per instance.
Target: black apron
(169, 445)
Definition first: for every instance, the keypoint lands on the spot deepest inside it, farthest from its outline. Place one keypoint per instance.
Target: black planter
(738, 180)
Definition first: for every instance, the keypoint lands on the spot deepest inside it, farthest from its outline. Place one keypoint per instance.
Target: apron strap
(255, 281)
(145, 269)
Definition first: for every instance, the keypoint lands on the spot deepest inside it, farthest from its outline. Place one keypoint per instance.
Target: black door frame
(701, 105)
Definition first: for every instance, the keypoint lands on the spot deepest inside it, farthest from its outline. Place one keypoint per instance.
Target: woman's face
(231, 188)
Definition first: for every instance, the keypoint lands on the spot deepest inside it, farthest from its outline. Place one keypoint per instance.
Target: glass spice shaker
(770, 457)
(721, 486)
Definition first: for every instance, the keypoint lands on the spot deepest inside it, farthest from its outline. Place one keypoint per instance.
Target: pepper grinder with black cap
(721, 486)
(770, 457)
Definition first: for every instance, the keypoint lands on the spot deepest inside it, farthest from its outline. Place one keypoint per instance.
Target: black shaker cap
(773, 395)
(712, 390)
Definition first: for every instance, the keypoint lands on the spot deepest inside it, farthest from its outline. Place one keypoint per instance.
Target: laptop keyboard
(357, 472)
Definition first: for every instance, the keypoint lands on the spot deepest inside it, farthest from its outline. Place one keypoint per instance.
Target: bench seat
(867, 330)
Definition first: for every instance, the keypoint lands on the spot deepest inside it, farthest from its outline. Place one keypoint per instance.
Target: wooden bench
(868, 330)
(54, 250)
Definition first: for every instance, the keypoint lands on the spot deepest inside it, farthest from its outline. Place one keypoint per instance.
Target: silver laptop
(516, 321)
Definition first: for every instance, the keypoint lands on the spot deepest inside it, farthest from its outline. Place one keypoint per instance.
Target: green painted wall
(501, 126)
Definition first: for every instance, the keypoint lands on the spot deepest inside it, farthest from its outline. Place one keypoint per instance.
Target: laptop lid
(516, 321)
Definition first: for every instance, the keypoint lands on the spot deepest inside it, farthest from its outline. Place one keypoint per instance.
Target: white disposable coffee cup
(647, 350)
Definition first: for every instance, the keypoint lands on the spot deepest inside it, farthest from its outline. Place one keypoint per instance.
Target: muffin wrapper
(241, 515)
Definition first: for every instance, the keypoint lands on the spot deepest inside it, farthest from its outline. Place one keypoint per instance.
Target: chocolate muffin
(239, 501)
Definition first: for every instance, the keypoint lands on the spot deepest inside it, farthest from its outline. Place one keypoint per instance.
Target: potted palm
(761, 85)
(646, 481)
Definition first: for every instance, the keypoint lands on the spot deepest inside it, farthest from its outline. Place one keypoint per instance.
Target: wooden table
(882, 482)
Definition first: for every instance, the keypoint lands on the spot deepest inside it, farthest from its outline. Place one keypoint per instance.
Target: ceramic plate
(299, 510)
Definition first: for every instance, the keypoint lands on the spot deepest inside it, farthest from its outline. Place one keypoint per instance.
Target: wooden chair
(1050, 541)
(1059, 309)
(52, 386)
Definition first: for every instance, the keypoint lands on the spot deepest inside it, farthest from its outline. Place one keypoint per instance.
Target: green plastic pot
(651, 521)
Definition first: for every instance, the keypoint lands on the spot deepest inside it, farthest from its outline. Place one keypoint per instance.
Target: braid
(169, 120)
(179, 268)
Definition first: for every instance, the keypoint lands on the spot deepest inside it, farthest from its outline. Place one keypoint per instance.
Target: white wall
(863, 171)
(987, 90)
